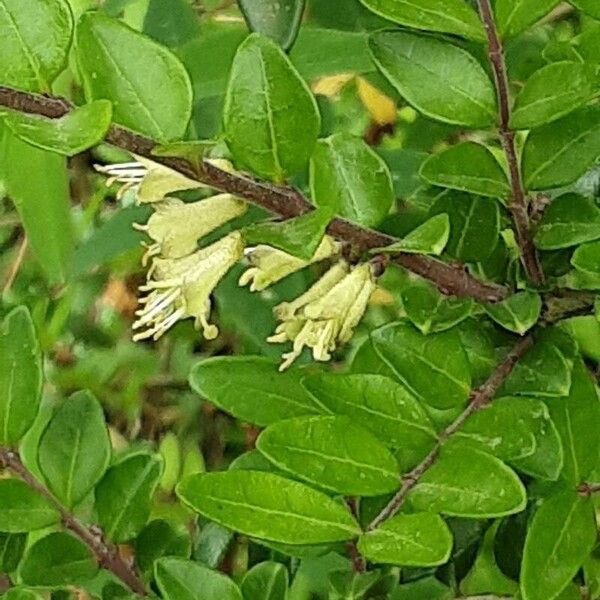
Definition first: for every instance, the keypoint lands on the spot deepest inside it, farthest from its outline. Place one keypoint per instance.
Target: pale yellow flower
(326, 315)
(176, 226)
(270, 265)
(179, 288)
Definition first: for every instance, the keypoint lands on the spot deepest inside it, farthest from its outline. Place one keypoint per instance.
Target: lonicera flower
(152, 181)
(176, 226)
(270, 265)
(179, 288)
(326, 315)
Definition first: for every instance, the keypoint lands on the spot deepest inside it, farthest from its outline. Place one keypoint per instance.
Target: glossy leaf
(35, 42)
(277, 19)
(577, 418)
(271, 117)
(552, 92)
(80, 129)
(331, 453)
(514, 16)
(561, 536)
(568, 221)
(518, 313)
(439, 79)
(587, 258)
(23, 510)
(474, 225)
(180, 579)
(171, 23)
(266, 581)
(20, 376)
(466, 482)
(561, 152)
(57, 559)
(268, 506)
(12, 546)
(148, 86)
(40, 191)
(347, 177)
(588, 6)
(124, 494)
(379, 404)
(445, 16)
(545, 370)
(468, 167)
(74, 449)
(299, 237)
(411, 540)
(159, 538)
(435, 367)
(429, 238)
(251, 389)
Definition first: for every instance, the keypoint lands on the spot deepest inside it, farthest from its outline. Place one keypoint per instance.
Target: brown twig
(358, 562)
(518, 206)
(588, 489)
(15, 266)
(480, 398)
(106, 554)
(284, 201)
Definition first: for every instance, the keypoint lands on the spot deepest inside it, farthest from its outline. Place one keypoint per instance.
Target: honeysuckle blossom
(176, 226)
(326, 315)
(179, 288)
(270, 265)
(152, 181)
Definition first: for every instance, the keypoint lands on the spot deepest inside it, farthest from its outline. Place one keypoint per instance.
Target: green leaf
(12, 546)
(515, 16)
(124, 494)
(331, 453)
(465, 482)
(148, 86)
(429, 238)
(545, 370)
(381, 405)
(299, 237)
(278, 19)
(586, 258)
(171, 23)
(469, 167)
(19, 593)
(40, 190)
(268, 506)
(588, 6)
(351, 179)
(57, 559)
(552, 92)
(271, 117)
(251, 389)
(431, 311)
(435, 367)
(20, 376)
(74, 449)
(180, 579)
(80, 129)
(585, 330)
(568, 221)
(559, 539)
(416, 540)
(35, 42)
(559, 153)
(445, 16)
(506, 428)
(440, 79)
(159, 538)
(266, 581)
(518, 313)
(577, 418)
(23, 510)
(474, 225)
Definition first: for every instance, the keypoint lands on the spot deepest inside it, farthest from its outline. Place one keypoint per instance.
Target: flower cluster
(181, 276)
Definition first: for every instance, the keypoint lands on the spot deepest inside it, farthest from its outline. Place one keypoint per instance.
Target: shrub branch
(106, 554)
(286, 202)
(479, 398)
(519, 205)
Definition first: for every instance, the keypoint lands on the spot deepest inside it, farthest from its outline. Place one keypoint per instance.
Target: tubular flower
(176, 226)
(179, 288)
(152, 181)
(270, 265)
(326, 315)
